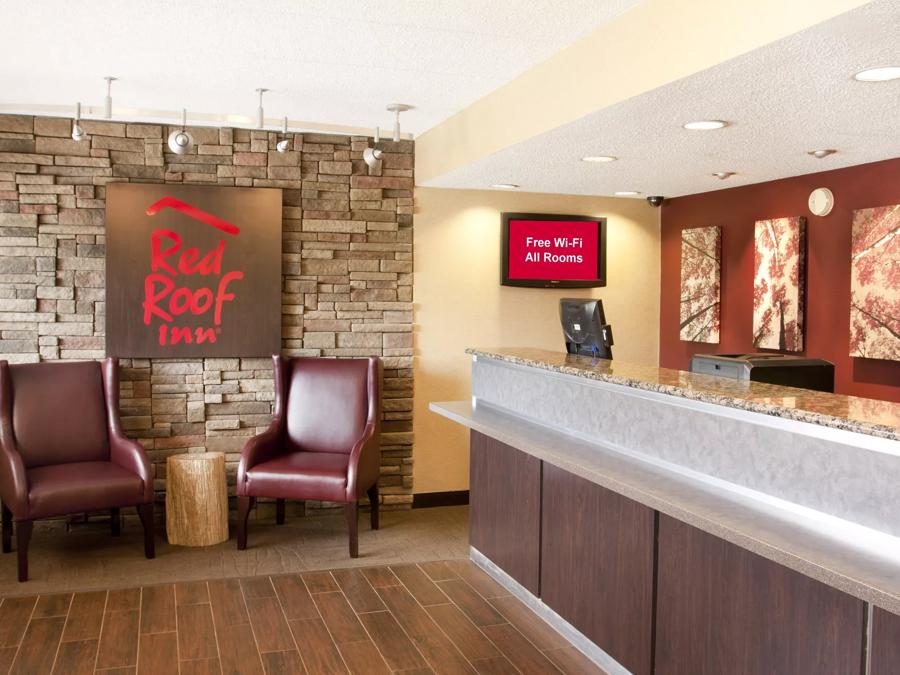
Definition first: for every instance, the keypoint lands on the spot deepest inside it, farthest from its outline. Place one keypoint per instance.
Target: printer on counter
(784, 369)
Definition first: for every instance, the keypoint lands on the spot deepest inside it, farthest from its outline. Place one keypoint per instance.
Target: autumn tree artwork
(701, 251)
(778, 283)
(875, 283)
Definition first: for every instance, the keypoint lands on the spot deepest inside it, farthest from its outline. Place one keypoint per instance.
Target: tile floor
(94, 604)
(430, 617)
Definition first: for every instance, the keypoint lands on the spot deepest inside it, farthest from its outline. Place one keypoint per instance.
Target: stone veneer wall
(346, 272)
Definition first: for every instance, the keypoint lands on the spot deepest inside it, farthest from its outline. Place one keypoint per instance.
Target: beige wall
(458, 302)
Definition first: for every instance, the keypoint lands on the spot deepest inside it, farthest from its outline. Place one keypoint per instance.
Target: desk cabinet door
(597, 565)
(505, 508)
(722, 609)
(885, 647)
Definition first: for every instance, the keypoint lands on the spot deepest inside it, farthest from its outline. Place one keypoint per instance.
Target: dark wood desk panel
(505, 508)
(722, 609)
(885, 647)
(597, 565)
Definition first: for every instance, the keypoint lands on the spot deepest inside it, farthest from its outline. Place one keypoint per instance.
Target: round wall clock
(821, 201)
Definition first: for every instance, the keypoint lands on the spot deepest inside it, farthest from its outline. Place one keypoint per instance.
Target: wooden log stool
(196, 499)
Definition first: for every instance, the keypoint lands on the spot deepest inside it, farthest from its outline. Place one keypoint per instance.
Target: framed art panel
(701, 265)
(875, 283)
(779, 263)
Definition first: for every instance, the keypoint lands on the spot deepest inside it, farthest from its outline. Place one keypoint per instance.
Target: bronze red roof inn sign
(192, 271)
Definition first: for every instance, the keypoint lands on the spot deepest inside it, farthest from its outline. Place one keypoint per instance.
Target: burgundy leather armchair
(323, 443)
(62, 450)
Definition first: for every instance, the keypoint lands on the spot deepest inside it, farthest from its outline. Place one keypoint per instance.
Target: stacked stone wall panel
(346, 281)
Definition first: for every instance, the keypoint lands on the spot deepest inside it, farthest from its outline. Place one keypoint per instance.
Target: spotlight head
(284, 144)
(371, 156)
(77, 130)
(180, 142)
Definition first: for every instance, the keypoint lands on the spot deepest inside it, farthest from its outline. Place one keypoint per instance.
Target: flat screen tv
(550, 251)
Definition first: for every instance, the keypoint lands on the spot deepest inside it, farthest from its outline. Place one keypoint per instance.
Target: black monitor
(585, 328)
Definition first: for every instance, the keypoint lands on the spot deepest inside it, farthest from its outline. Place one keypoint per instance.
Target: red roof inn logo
(170, 261)
(192, 271)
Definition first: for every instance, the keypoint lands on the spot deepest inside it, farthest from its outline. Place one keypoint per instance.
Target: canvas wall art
(701, 264)
(778, 283)
(875, 283)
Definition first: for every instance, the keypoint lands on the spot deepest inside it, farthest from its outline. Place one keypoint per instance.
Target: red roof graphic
(192, 212)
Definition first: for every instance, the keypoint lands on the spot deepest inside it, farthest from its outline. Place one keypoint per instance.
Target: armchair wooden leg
(373, 500)
(145, 513)
(23, 536)
(243, 504)
(301, 509)
(115, 522)
(279, 512)
(351, 510)
(7, 529)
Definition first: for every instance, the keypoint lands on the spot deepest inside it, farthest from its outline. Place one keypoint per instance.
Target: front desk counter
(668, 523)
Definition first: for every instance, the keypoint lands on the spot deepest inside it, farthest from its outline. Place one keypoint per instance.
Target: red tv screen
(553, 251)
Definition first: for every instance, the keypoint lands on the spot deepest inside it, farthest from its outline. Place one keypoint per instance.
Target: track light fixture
(260, 116)
(398, 108)
(107, 104)
(180, 141)
(371, 156)
(78, 132)
(284, 143)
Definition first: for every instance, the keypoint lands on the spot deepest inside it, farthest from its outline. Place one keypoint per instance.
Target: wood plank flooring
(436, 617)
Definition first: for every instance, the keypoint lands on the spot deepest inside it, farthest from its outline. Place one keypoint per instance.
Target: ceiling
(783, 100)
(340, 62)
(332, 61)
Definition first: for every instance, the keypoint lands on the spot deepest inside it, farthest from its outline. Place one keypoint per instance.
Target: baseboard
(575, 637)
(425, 500)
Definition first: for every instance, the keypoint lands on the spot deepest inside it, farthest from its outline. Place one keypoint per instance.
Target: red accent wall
(828, 268)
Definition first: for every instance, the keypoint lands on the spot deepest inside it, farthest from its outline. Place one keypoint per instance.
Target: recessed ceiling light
(599, 158)
(627, 193)
(819, 154)
(705, 125)
(722, 175)
(884, 74)
(505, 186)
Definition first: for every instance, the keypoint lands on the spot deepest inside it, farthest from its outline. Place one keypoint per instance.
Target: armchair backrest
(328, 401)
(58, 412)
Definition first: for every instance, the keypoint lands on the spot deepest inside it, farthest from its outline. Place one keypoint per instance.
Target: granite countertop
(851, 413)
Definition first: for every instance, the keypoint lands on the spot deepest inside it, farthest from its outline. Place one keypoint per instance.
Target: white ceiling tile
(783, 100)
(328, 61)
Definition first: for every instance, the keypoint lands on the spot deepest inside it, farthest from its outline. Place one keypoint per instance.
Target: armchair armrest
(131, 455)
(268, 444)
(364, 466)
(365, 457)
(261, 448)
(13, 482)
(123, 451)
